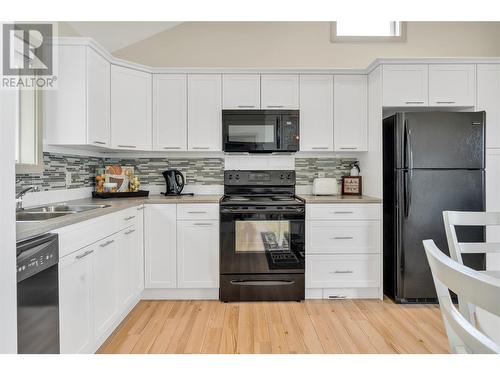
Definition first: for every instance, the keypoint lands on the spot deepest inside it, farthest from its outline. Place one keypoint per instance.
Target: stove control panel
(260, 178)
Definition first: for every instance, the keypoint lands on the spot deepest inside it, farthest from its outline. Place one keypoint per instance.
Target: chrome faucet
(20, 194)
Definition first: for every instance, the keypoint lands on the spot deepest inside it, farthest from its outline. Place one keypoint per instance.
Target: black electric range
(262, 237)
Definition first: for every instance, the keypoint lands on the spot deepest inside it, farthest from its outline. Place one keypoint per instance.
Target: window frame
(334, 38)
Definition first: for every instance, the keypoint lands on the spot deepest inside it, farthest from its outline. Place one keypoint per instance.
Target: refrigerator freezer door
(422, 197)
(444, 140)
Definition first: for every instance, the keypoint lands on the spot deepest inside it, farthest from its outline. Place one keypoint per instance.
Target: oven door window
(262, 236)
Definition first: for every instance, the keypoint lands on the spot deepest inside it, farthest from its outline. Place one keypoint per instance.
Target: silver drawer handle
(445, 101)
(130, 231)
(107, 243)
(88, 252)
(99, 142)
(140, 208)
(414, 102)
(342, 238)
(201, 148)
(246, 106)
(274, 106)
(172, 148)
(320, 148)
(336, 296)
(343, 212)
(203, 224)
(346, 271)
(127, 146)
(129, 218)
(348, 148)
(197, 212)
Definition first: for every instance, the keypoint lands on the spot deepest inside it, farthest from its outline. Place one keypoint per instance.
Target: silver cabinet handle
(320, 148)
(99, 142)
(336, 296)
(197, 212)
(274, 106)
(172, 148)
(343, 212)
(346, 271)
(203, 224)
(342, 238)
(348, 148)
(130, 231)
(88, 252)
(127, 146)
(140, 208)
(414, 102)
(246, 106)
(445, 101)
(201, 148)
(107, 243)
(129, 218)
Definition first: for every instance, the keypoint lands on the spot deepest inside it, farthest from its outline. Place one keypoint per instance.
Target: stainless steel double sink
(47, 212)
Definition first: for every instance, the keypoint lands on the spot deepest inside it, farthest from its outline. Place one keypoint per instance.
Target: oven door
(250, 131)
(262, 242)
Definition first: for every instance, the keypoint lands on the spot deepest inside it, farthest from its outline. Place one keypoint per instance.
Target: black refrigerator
(433, 162)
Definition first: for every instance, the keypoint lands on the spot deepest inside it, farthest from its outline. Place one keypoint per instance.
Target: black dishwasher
(38, 295)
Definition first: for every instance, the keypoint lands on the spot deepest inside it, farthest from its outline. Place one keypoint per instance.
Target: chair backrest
(453, 218)
(478, 289)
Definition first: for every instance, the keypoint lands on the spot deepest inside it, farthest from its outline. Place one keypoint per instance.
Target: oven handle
(263, 211)
(262, 282)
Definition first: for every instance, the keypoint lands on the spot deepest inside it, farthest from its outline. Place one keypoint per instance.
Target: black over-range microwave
(260, 131)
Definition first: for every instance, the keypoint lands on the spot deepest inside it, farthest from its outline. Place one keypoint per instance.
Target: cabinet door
(452, 85)
(204, 112)
(98, 99)
(127, 246)
(75, 302)
(198, 253)
(350, 113)
(279, 91)
(138, 254)
(131, 126)
(405, 85)
(488, 99)
(241, 91)
(105, 287)
(160, 246)
(316, 113)
(170, 112)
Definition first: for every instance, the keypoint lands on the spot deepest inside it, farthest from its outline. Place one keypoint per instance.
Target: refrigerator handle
(408, 153)
(407, 192)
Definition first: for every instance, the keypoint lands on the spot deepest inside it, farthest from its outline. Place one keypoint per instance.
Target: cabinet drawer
(342, 237)
(129, 216)
(207, 211)
(368, 211)
(343, 271)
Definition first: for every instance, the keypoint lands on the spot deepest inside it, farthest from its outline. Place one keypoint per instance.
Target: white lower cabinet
(343, 251)
(76, 301)
(198, 253)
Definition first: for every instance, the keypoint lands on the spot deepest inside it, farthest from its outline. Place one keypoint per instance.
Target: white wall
(304, 45)
(8, 310)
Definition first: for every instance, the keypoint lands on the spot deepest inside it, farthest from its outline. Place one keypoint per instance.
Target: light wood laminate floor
(313, 326)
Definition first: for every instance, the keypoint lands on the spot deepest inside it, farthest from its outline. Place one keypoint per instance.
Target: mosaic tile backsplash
(205, 171)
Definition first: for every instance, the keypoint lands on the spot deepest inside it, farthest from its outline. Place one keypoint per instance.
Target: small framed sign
(351, 185)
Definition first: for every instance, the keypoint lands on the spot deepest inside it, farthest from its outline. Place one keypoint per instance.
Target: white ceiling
(117, 35)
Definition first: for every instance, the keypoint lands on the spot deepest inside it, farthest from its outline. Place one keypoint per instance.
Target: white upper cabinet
(279, 91)
(78, 112)
(131, 126)
(405, 85)
(241, 91)
(170, 112)
(350, 113)
(204, 112)
(98, 99)
(452, 85)
(316, 113)
(488, 99)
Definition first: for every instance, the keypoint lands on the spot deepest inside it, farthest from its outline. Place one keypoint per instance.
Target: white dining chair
(475, 288)
(484, 219)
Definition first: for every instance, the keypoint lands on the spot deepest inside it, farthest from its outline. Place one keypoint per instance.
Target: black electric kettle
(174, 181)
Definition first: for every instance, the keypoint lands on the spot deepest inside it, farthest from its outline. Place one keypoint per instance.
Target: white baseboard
(181, 294)
(344, 293)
